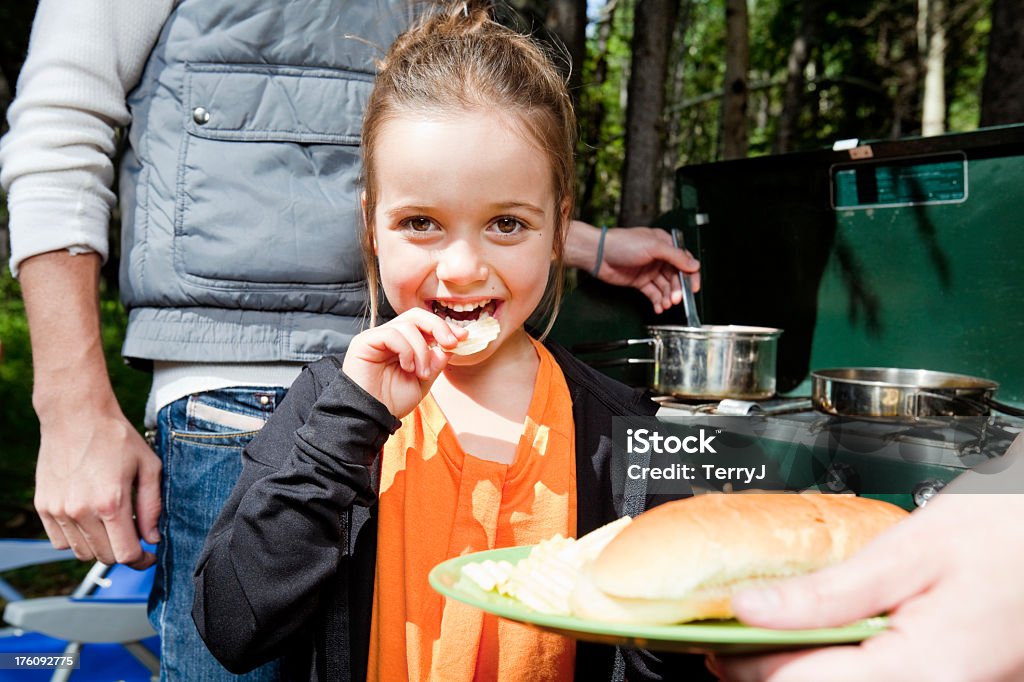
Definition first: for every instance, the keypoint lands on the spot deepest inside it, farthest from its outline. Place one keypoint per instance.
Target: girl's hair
(459, 59)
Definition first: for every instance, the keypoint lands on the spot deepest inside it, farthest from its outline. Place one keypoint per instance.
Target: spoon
(689, 303)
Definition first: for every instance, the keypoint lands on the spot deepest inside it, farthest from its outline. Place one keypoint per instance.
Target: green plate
(702, 637)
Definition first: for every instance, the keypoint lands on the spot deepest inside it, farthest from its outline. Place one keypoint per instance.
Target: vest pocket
(268, 178)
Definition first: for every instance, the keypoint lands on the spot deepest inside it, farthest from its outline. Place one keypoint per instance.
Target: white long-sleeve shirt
(56, 162)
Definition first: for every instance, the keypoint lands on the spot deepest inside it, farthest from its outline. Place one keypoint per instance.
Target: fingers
(873, 581)
(656, 296)
(883, 658)
(398, 361)
(88, 507)
(664, 289)
(147, 500)
(61, 527)
(418, 327)
(666, 280)
(94, 531)
(750, 668)
(438, 361)
(124, 542)
(407, 339)
(695, 278)
(52, 528)
(124, 529)
(413, 350)
(679, 259)
(102, 528)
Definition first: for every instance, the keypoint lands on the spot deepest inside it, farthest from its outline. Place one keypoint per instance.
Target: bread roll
(685, 559)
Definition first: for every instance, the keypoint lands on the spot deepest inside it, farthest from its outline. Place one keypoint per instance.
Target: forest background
(658, 84)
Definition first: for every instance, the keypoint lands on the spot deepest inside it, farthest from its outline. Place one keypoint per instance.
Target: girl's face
(465, 220)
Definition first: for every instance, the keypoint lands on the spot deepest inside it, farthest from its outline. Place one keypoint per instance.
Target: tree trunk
(796, 67)
(932, 15)
(592, 117)
(564, 24)
(675, 94)
(652, 36)
(567, 19)
(1002, 93)
(737, 62)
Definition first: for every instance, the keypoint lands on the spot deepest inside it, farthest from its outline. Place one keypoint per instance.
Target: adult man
(239, 257)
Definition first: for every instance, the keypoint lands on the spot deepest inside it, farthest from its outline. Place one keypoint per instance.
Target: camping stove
(901, 461)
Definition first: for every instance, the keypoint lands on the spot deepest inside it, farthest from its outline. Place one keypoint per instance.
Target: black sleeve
(642, 664)
(277, 542)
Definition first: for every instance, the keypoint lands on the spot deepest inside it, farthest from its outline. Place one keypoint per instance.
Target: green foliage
(966, 68)
(703, 65)
(607, 141)
(19, 429)
(864, 79)
(19, 438)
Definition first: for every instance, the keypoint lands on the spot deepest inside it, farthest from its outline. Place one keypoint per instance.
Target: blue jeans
(200, 440)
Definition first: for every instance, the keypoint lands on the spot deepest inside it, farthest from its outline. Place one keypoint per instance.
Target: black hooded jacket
(288, 568)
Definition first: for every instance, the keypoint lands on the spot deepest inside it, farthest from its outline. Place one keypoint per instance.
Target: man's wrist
(599, 258)
(56, 396)
(581, 245)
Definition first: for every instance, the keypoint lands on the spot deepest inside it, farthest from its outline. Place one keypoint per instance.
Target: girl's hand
(397, 362)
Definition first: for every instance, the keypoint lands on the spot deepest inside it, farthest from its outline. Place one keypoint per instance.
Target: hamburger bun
(685, 559)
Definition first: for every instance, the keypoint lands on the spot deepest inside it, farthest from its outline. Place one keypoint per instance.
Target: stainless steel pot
(903, 393)
(710, 362)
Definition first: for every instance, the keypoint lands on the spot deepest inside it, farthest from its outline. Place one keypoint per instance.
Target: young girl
(367, 477)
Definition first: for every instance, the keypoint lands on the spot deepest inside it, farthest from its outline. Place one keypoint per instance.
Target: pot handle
(604, 346)
(621, 362)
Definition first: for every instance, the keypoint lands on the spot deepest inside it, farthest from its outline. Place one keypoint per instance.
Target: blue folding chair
(104, 621)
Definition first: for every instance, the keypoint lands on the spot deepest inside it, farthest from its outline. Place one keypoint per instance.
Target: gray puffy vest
(239, 193)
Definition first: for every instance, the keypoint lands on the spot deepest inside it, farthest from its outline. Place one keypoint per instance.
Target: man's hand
(90, 456)
(949, 577)
(640, 257)
(89, 461)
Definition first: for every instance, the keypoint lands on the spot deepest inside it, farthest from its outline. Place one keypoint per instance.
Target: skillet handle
(1004, 408)
(604, 346)
(979, 407)
(976, 404)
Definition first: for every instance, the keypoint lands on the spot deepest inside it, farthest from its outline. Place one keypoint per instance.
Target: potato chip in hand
(481, 333)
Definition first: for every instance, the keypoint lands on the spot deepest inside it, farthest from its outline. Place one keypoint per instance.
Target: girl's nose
(461, 263)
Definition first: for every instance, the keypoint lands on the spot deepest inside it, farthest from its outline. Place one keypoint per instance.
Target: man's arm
(90, 455)
(948, 576)
(57, 168)
(639, 257)
(56, 160)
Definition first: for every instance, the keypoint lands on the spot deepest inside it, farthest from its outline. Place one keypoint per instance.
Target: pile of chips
(544, 580)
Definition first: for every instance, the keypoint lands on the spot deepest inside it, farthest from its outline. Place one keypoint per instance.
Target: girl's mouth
(461, 314)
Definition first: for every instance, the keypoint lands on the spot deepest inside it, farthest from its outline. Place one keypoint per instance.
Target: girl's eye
(508, 225)
(419, 224)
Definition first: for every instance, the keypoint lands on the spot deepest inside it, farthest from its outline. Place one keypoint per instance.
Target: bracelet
(600, 251)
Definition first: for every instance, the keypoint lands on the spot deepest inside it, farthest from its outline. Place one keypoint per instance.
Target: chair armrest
(82, 621)
(19, 553)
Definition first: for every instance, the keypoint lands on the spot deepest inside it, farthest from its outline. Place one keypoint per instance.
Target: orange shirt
(437, 502)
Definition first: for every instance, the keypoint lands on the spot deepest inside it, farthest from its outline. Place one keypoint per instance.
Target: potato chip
(544, 580)
(481, 333)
